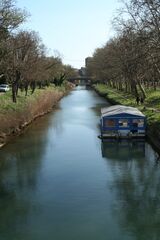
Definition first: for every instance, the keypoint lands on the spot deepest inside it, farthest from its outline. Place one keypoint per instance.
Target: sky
(71, 28)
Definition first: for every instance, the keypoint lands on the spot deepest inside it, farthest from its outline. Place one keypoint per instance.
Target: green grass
(153, 99)
(6, 103)
(150, 107)
(115, 95)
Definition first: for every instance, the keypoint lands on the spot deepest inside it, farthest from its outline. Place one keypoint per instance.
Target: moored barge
(121, 121)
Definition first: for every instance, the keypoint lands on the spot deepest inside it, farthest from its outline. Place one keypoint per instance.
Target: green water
(57, 181)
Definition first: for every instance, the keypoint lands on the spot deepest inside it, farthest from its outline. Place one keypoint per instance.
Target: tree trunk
(142, 89)
(33, 86)
(134, 88)
(14, 98)
(26, 88)
(15, 86)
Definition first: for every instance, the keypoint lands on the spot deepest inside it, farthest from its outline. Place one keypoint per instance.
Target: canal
(58, 181)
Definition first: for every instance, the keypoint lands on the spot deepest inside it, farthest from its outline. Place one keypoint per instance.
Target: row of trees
(131, 60)
(23, 57)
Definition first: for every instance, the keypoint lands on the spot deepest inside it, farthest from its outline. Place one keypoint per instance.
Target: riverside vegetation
(15, 117)
(128, 65)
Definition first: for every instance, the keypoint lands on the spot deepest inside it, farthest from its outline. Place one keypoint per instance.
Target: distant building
(82, 71)
(87, 61)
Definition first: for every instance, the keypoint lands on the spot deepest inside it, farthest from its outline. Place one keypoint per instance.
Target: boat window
(123, 123)
(110, 123)
(138, 122)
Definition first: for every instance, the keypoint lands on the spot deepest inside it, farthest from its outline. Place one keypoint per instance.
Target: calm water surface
(57, 181)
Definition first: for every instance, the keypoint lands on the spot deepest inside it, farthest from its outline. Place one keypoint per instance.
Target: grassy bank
(150, 107)
(15, 116)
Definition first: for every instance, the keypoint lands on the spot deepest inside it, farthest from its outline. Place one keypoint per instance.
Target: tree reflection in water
(136, 185)
(20, 166)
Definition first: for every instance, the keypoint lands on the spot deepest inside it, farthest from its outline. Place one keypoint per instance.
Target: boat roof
(120, 109)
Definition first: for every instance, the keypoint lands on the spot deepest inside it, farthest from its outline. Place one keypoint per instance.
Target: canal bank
(14, 119)
(59, 181)
(153, 126)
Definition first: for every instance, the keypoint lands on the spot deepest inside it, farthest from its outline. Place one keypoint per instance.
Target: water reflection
(20, 165)
(136, 186)
(123, 149)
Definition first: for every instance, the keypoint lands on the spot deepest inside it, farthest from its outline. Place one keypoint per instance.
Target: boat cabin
(122, 121)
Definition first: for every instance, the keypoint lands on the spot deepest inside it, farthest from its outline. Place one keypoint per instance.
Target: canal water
(58, 181)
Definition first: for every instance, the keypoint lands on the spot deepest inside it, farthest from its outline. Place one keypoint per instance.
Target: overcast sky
(75, 28)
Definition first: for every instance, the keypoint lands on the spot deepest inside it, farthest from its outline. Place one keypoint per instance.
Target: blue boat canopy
(120, 109)
(122, 121)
